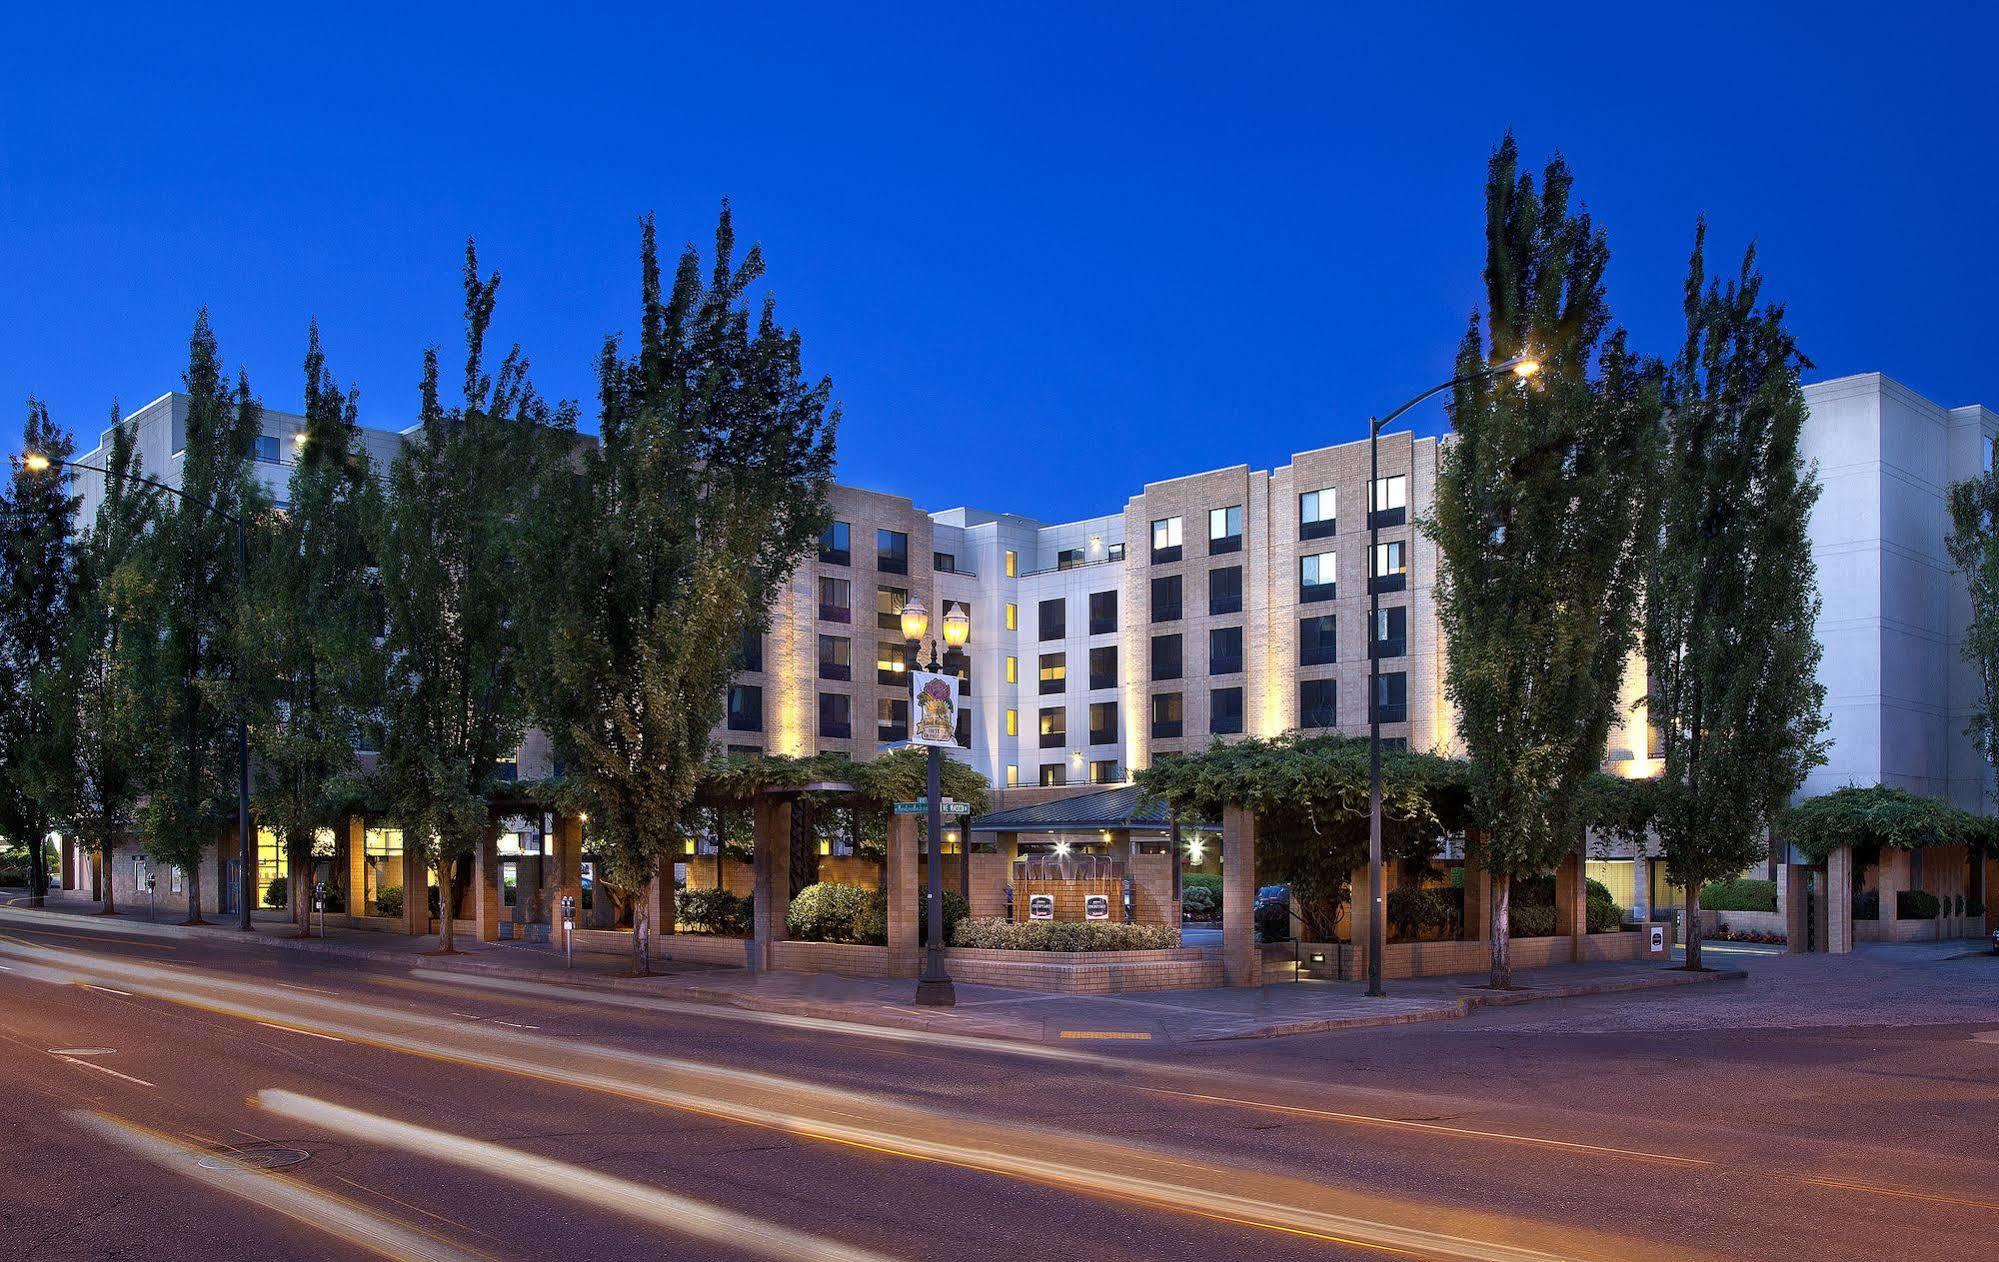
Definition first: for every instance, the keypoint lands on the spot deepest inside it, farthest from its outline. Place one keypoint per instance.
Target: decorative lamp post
(247, 885)
(933, 988)
(1523, 367)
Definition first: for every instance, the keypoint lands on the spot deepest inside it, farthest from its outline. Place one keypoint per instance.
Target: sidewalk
(1186, 1016)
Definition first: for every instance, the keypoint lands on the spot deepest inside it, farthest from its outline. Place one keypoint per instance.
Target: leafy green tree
(1731, 594)
(451, 540)
(674, 536)
(1540, 497)
(187, 598)
(104, 714)
(1973, 546)
(38, 567)
(312, 625)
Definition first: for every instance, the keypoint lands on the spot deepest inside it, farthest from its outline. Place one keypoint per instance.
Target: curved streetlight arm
(1491, 371)
(176, 492)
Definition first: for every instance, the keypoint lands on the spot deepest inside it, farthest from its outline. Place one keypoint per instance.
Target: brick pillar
(357, 867)
(904, 953)
(1891, 878)
(1572, 901)
(659, 907)
(1641, 886)
(1242, 961)
(1797, 907)
(486, 887)
(1478, 895)
(1839, 901)
(416, 894)
(772, 831)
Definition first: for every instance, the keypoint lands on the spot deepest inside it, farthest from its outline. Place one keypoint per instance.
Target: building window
(1165, 715)
(1391, 632)
(1166, 598)
(1117, 552)
(1012, 616)
(1012, 775)
(1225, 590)
(1103, 723)
(1318, 641)
(746, 708)
(1103, 612)
(1389, 502)
(1224, 530)
(958, 662)
(1165, 540)
(944, 563)
(1391, 567)
(836, 657)
(891, 551)
(1318, 514)
(1012, 669)
(1318, 577)
(1054, 672)
(1103, 666)
(891, 662)
(1054, 618)
(1391, 697)
(1013, 722)
(1054, 727)
(1105, 771)
(750, 651)
(1012, 564)
(1225, 711)
(1053, 773)
(1224, 650)
(267, 448)
(836, 600)
(834, 546)
(891, 719)
(888, 607)
(1068, 558)
(836, 715)
(1318, 702)
(1166, 656)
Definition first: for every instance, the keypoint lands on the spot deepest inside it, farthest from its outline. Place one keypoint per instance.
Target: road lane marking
(83, 1051)
(113, 990)
(320, 1210)
(292, 1029)
(667, 1210)
(95, 937)
(1904, 1193)
(1437, 1128)
(102, 1069)
(1105, 1034)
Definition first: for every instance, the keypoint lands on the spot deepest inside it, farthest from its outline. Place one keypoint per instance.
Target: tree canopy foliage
(1880, 815)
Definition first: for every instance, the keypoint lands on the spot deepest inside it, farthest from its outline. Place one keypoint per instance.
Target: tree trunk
(38, 867)
(641, 935)
(300, 893)
(194, 896)
(1694, 927)
(444, 946)
(1500, 936)
(104, 879)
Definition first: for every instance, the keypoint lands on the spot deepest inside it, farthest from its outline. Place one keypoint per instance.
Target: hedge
(389, 901)
(714, 911)
(1062, 935)
(1917, 905)
(1198, 902)
(1739, 895)
(1202, 880)
(827, 912)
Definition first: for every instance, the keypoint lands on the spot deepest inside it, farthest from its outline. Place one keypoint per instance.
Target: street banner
(933, 708)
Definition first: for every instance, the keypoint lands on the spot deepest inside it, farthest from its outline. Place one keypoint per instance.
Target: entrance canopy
(1121, 809)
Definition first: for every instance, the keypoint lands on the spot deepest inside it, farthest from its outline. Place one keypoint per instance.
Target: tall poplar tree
(1731, 594)
(312, 624)
(452, 540)
(1973, 547)
(37, 600)
(104, 714)
(187, 653)
(708, 487)
(1540, 495)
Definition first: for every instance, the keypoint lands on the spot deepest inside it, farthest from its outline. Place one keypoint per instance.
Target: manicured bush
(1972, 907)
(1867, 905)
(956, 909)
(389, 901)
(1743, 894)
(1062, 935)
(1412, 910)
(1203, 880)
(715, 911)
(1531, 920)
(1199, 902)
(1273, 920)
(827, 912)
(278, 893)
(1604, 915)
(1917, 905)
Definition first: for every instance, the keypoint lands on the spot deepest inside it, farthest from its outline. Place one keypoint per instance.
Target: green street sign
(923, 808)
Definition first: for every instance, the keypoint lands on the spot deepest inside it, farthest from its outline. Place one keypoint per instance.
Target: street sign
(947, 807)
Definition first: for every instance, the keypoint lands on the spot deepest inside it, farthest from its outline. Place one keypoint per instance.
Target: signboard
(933, 709)
(1096, 907)
(922, 807)
(1658, 939)
(1041, 907)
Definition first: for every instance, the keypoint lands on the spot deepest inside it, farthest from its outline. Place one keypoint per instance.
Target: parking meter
(568, 928)
(319, 904)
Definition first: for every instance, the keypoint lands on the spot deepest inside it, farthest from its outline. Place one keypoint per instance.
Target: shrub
(389, 901)
(1200, 902)
(1531, 920)
(1960, 906)
(278, 893)
(1739, 895)
(1867, 905)
(1597, 889)
(827, 912)
(1605, 916)
(1917, 905)
(1412, 909)
(956, 909)
(1972, 907)
(336, 900)
(1062, 935)
(1273, 920)
(715, 911)
(1202, 880)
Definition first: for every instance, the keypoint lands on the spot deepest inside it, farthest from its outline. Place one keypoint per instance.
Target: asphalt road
(442, 1117)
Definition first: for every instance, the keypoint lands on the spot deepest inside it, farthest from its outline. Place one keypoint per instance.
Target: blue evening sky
(1044, 253)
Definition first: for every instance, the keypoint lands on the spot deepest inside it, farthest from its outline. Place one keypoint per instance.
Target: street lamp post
(246, 893)
(933, 988)
(1522, 366)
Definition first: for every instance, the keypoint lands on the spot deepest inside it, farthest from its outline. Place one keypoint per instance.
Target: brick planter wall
(1087, 972)
(702, 948)
(850, 959)
(1448, 959)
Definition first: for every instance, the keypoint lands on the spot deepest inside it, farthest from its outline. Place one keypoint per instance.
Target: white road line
(108, 989)
(292, 1029)
(91, 1064)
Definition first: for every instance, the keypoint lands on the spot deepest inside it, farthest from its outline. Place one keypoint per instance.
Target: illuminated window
(1012, 565)
(1013, 722)
(1054, 672)
(273, 865)
(1012, 671)
(1012, 616)
(1012, 776)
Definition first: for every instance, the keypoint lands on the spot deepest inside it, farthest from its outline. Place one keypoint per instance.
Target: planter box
(702, 948)
(1088, 972)
(850, 959)
(1451, 959)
